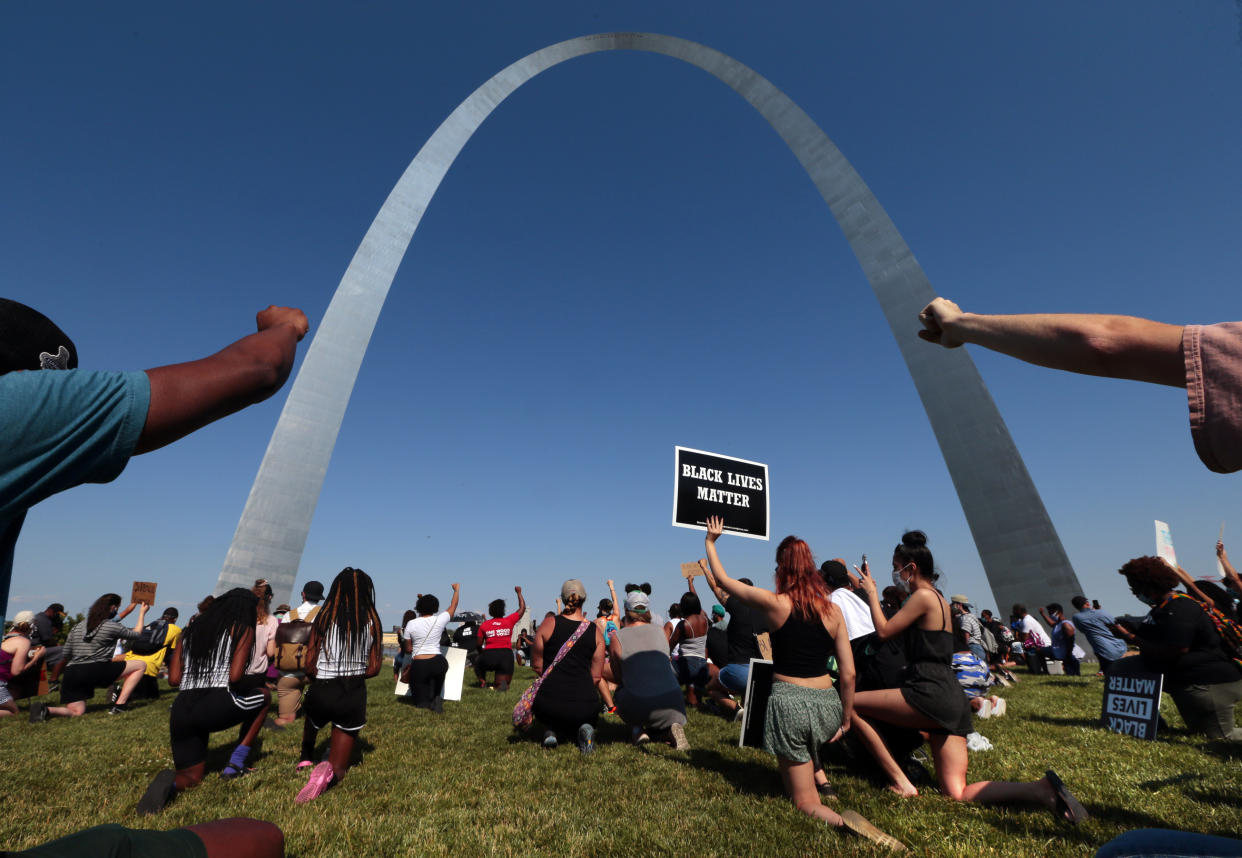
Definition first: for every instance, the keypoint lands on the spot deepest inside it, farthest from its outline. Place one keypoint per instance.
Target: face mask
(1147, 600)
(898, 581)
(112, 614)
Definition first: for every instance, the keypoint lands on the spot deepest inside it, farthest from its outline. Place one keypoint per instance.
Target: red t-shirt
(498, 633)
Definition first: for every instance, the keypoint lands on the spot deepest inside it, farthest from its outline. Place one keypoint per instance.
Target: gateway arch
(1021, 552)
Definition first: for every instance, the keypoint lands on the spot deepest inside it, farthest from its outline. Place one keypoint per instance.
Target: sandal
(304, 764)
(854, 821)
(1068, 808)
(825, 789)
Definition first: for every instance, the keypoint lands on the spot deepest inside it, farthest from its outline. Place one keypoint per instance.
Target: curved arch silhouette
(1021, 552)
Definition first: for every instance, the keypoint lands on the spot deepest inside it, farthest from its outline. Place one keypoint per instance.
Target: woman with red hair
(804, 710)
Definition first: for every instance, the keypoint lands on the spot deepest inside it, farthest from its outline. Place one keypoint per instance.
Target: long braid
(210, 640)
(347, 615)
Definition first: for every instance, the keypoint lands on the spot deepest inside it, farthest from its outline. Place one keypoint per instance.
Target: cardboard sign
(1131, 699)
(689, 570)
(456, 676)
(755, 702)
(144, 591)
(707, 484)
(1164, 544)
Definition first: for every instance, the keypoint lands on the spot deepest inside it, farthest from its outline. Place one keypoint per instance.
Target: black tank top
(801, 647)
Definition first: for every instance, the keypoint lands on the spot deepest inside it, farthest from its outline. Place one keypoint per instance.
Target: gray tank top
(645, 668)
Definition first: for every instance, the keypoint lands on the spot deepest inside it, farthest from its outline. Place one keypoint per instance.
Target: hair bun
(914, 539)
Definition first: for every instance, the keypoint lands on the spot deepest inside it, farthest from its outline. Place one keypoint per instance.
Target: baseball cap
(637, 602)
(718, 611)
(573, 590)
(30, 340)
(313, 591)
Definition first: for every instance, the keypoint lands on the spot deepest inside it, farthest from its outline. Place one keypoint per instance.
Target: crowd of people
(904, 670)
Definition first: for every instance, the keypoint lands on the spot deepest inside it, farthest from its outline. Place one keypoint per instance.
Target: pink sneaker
(320, 779)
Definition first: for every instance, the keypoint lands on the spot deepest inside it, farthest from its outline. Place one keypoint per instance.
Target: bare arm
(1231, 574)
(541, 637)
(615, 616)
(129, 609)
(188, 396)
(375, 658)
(913, 610)
(1047, 619)
(845, 667)
(20, 654)
(521, 601)
(241, 655)
(1112, 346)
(174, 665)
(597, 658)
(614, 658)
(721, 595)
(452, 608)
(756, 597)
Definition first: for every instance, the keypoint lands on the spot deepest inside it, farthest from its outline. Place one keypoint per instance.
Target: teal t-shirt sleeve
(59, 429)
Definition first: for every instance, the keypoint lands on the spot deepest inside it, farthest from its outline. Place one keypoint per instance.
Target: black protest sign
(1131, 699)
(708, 484)
(755, 702)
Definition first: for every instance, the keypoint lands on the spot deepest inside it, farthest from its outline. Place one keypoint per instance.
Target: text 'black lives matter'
(707, 484)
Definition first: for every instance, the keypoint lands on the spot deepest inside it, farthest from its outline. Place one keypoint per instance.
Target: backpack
(292, 637)
(989, 640)
(152, 639)
(1230, 633)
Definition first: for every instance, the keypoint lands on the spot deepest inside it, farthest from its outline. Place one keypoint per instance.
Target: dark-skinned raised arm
(187, 396)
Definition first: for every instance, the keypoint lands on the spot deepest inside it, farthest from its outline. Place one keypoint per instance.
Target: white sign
(1164, 544)
(456, 676)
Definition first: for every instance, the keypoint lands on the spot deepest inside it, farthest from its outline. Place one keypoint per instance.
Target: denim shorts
(692, 670)
(733, 677)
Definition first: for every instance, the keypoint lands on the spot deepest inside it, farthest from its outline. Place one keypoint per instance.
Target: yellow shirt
(156, 659)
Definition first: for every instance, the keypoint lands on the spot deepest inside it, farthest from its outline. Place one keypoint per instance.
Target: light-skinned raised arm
(1111, 346)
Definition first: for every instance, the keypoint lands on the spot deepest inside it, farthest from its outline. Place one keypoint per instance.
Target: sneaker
(113, 693)
(638, 736)
(118, 709)
(739, 713)
(680, 742)
(985, 708)
(162, 790)
(549, 740)
(999, 706)
(38, 713)
(304, 764)
(586, 739)
(321, 778)
(502, 686)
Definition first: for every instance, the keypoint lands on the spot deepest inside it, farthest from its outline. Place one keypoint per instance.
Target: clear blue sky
(624, 258)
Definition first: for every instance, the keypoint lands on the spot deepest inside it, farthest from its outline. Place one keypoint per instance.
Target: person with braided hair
(344, 651)
(215, 650)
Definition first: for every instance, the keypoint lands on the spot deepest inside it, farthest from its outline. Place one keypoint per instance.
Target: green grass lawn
(462, 784)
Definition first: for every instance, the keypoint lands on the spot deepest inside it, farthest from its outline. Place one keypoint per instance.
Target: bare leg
(70, 710)
(799, 783)
(9, 708)
(339, 750)
(716, 691)
(950, 755)
(605, 693)
(879, 751)
(134, 671)
(240, 837)
(190, 776)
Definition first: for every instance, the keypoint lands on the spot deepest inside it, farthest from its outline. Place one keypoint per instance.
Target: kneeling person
(650, 698)
(343, 653)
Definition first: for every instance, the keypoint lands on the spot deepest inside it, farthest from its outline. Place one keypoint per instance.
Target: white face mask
(899, 582)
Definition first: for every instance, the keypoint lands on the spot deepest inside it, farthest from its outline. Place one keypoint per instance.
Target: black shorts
(341, 702)
(198, 713)
(499, 660)
(80, 680)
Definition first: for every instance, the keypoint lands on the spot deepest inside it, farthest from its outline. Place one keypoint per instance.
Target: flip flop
(825, 789)
(304, 764)
(1068, 808)
(855, 822)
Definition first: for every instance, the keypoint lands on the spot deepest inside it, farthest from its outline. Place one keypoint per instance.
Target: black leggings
(427, 680)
